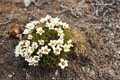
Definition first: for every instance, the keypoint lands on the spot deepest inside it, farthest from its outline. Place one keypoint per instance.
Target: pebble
(92, 73)
(56, 72)
(53, 78)
(10, 75)
(83, 68)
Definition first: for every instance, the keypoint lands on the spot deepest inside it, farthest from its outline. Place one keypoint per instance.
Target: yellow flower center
(63, 62)
(19, 51)
(31, 49)
(40, 31)
(40, 53)
(46, 50)
(28, 54)
(28, 45)
(35, 46)
(59, 43)
(64, 26)
(65, 47)
(30, 26)
(51, 26)
(57, 50)
(21, 45)
(23, 51)
(27, 57)
(52, 43)
(69, 43)
(60, 33)
(42, 43)
(36, 58)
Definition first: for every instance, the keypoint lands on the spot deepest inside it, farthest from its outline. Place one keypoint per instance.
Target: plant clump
(46, 42)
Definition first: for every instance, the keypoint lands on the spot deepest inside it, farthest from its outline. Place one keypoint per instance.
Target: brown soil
(101, 60)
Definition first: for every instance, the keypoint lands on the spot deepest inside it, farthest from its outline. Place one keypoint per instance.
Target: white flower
(35, 22)
(70, 43)
(61, 37)
(41, 42)
(27, 54)
(30, 36)
(27, 58)
(21, 43)
(30, 26)
(50, 25)
(63, 63)
(60, 23)
(65, 25)
(59, 42)
(34, 45)
(36, 64)
(48, 17)
(26, 31)
(36, 59)
(66, 48)
(58, 29)
(22, 52)
(30, 49)
(60, 33)
(40, 53)
(57, 50)
(42, 20)
(17, 51)
(45, 50)
(27, 43)
(30, 61)
(40, 30)
(52, 43)
(55, 21)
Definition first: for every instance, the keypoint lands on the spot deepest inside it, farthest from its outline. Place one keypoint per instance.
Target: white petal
(61, 59)
(62, 67)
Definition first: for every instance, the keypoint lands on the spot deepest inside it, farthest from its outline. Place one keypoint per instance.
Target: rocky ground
(97, 20)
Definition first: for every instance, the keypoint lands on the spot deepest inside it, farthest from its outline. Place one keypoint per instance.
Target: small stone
(10, 75)
(117, 26)
(56, 72)
(92, 73)
(53, 78)
(28, 2)
(83, 68)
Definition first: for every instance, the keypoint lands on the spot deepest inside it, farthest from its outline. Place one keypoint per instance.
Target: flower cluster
(45, 42)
